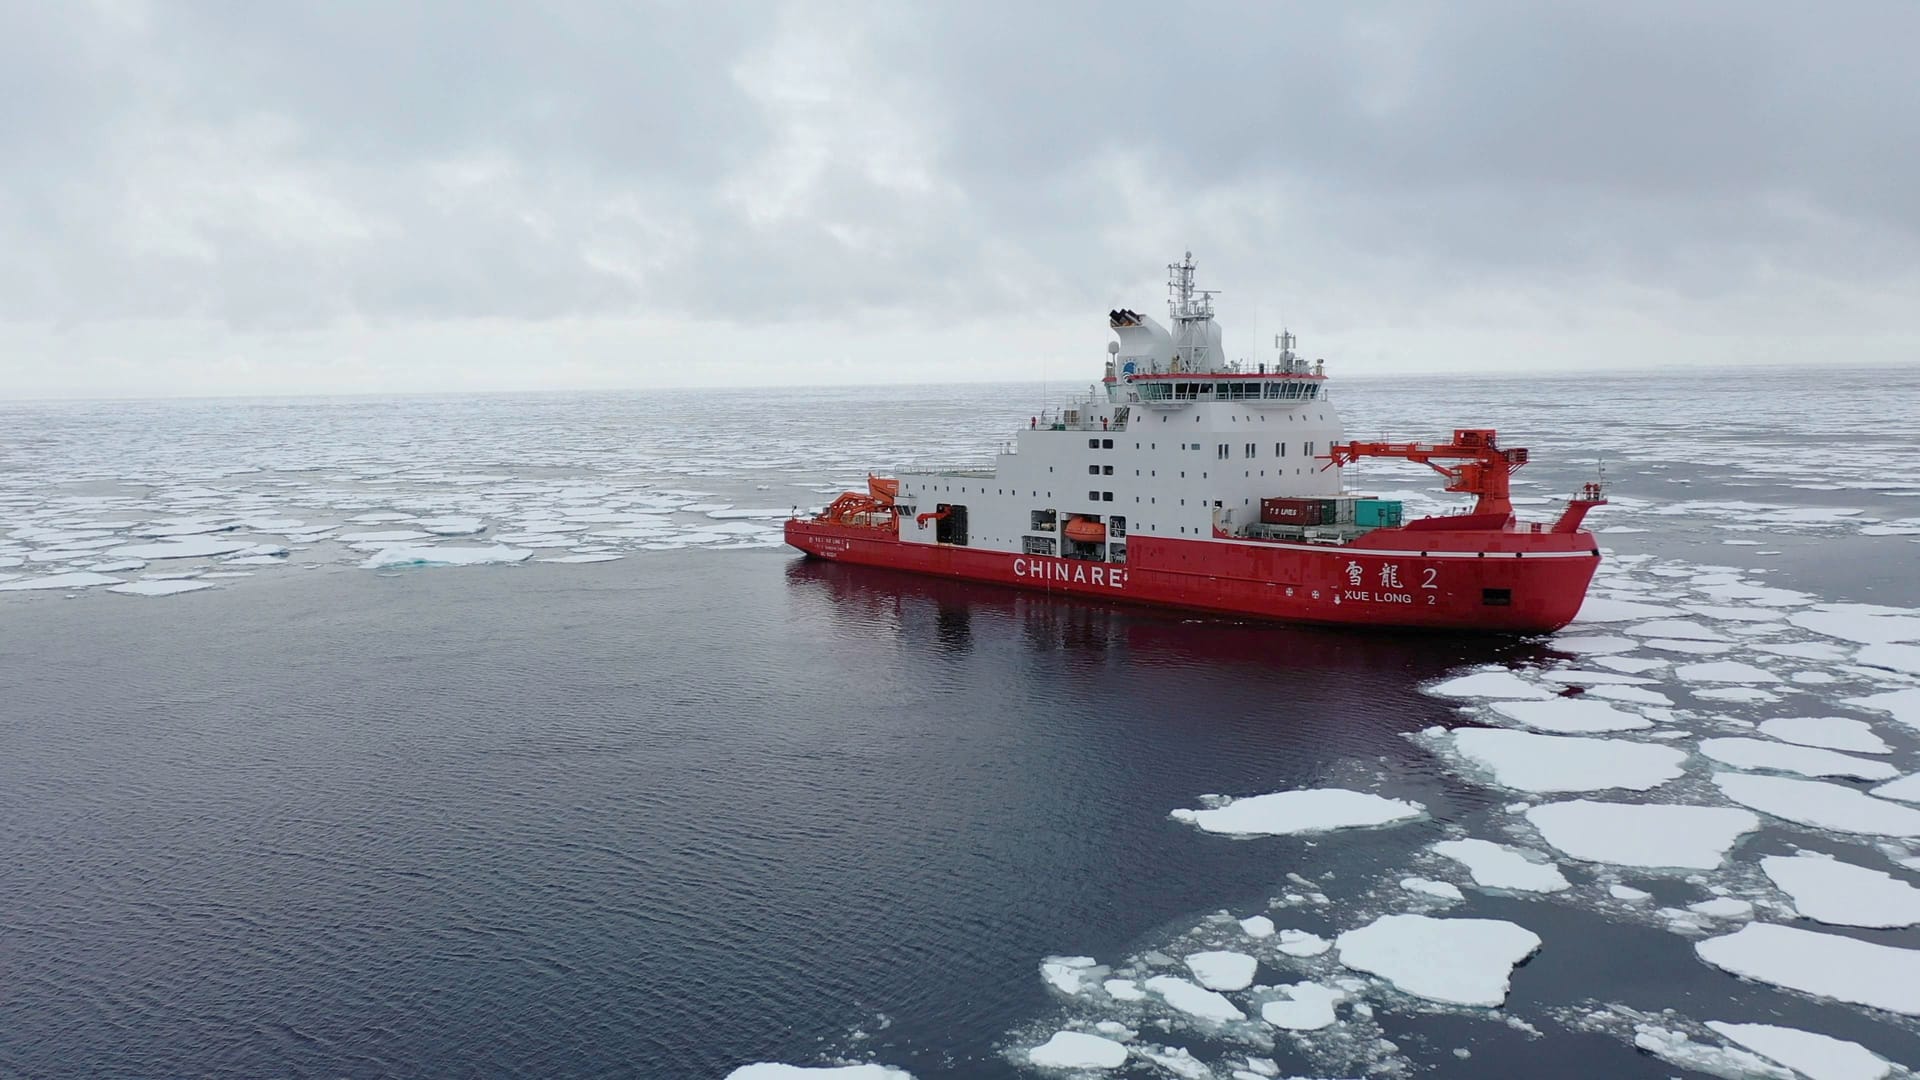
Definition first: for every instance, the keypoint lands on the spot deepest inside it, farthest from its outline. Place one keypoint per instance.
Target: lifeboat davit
(1085, 530)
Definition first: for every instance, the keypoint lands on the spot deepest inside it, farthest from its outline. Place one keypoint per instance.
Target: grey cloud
(283, 166)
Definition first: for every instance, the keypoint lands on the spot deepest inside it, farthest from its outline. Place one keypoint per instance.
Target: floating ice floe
(1495, 866)
(78, 579)
(1675, 1048)
(193, 547)
(1632, 695)
(1642, 834)
(1815, 1056)
(767, 1070)
(1490, 684)
(452, 526)
(1457, 961)
(1286, 813)
(1595, 644)
(1743, 753)
(159, 588)
(1824, 965)
(1303, 944)
(1841, 893)
(1123, 990)
(409, 555)
(1257, 926)
(1067, 974)
(1195, 1001)
(1828, 732)
(1602, 609)
(1676, 628)
(1906, 789)
(1820, 804)
(1222, 969)
(1304, 1006)
(1858, 623)
(1571, 715)
(1902, 705)
(1525, 761)
(1726, 671)
(1901, 658)
(384, 536)
(1443, 890)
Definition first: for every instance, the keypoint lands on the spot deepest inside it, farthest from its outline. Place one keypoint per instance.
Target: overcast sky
(246, 197)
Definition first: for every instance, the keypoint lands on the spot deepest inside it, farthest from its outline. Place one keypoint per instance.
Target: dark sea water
(694, 808)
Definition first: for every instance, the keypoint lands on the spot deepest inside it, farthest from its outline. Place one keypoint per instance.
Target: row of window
(1228, 391)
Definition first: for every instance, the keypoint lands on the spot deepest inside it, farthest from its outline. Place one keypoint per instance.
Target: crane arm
(1481, 468)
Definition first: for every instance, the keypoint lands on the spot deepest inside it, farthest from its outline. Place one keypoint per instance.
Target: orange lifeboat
(1085, 530)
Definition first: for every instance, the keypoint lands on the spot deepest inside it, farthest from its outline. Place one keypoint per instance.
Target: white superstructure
(1173, 433)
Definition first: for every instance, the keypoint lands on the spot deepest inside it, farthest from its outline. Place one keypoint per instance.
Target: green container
(1376, 513)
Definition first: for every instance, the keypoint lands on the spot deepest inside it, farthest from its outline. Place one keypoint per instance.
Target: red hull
(1506, 580)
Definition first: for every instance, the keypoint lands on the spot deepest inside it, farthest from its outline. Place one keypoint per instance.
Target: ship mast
(1191, 310)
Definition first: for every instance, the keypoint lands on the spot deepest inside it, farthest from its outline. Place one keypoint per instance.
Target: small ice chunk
(1815, 1056)
(1286, 813)
(1829, 732)
(159, 588)
(1495, 866)
(1571, 715)
(1642, 834)
(1723, 907)
(1742, 753)
(1726, 671)
(1223, 969)
(1525, 761)
(1307, 1006)
(1820, 804)
(1193, 1000)
(1303, 944)
(445, 556)
(1842, 893)
(1628, 893)
(1257, 926)
(1078, 1050)
(1445, 890)
(1123, 990)
(1457, 961)
(1824, 965)
(1490, 684)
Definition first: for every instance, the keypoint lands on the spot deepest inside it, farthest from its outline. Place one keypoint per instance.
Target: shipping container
(1377, 513)
(1292, 511)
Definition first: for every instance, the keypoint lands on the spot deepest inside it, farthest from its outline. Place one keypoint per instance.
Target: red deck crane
(1483, 469)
